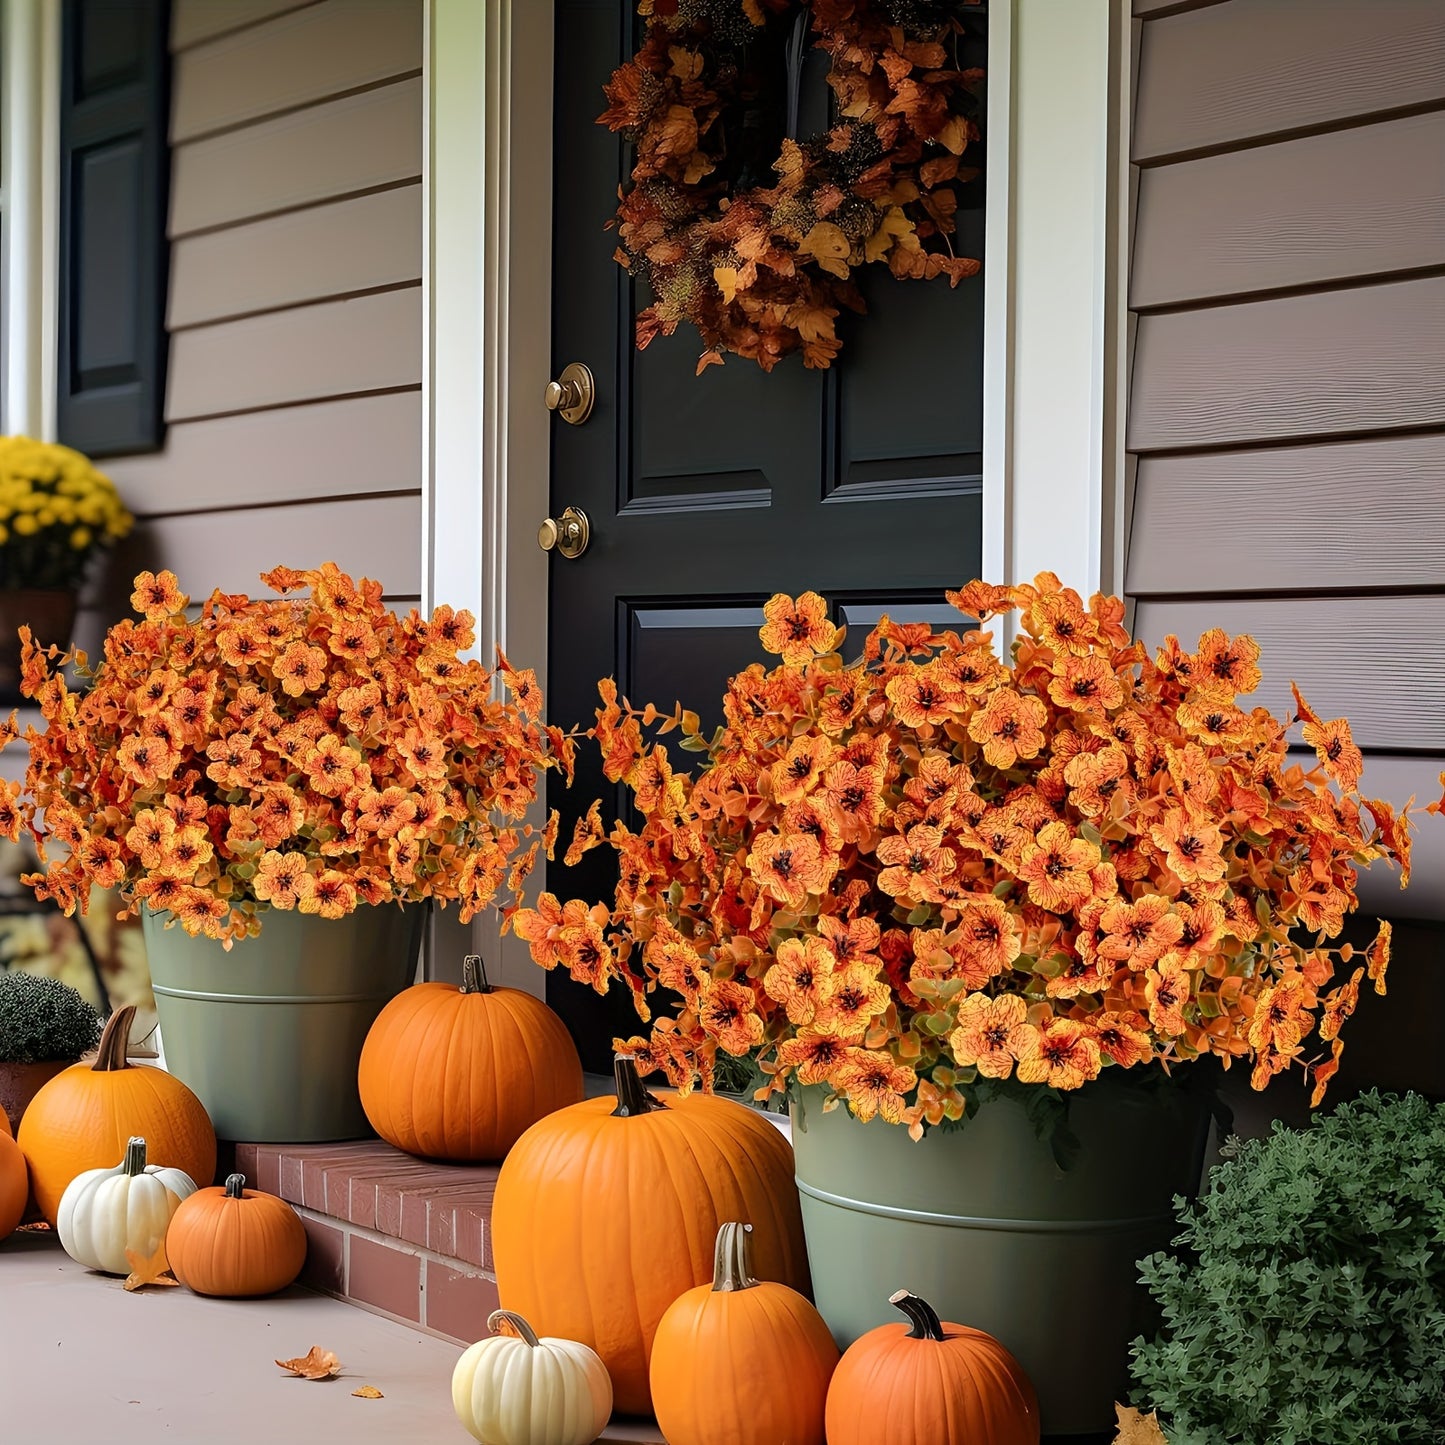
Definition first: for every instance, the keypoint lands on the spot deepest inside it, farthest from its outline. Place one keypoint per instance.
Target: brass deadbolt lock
(572, 394)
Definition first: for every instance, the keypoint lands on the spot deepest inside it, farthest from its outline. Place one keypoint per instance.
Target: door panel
(707, 494)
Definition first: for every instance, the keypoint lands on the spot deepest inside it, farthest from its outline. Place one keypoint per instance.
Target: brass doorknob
(572, 394)
(569, 534)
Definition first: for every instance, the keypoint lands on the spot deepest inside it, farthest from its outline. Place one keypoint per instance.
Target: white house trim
(30, 203)
(1054, 308)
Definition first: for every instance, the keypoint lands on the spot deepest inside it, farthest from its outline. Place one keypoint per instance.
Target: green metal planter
(983, 1223)
(269, 1034)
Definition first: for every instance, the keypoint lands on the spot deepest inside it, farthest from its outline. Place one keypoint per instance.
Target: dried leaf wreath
(762, 265)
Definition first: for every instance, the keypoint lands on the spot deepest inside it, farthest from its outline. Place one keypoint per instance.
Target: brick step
(399, 1236)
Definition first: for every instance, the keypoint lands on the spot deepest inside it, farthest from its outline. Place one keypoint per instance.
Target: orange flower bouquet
(300, 752)
(931, 876)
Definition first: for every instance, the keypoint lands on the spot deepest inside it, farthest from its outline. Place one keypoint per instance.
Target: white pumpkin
(105, 1212)
(524, 1391)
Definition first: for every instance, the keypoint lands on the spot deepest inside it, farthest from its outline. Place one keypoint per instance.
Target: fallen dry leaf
(315, 1364)
(148, 1271)
(1137, 1428)
(369, 1392)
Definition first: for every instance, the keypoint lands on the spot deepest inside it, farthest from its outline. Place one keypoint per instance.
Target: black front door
(707, 494)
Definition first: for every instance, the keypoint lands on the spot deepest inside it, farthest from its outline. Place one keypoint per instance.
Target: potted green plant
(1304, 1298)
(45, 1026)
(294, 778)
(982, 900)
(57, 512)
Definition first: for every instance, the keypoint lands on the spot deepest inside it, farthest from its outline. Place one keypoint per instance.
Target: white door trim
(487, 289)
(1054, 309)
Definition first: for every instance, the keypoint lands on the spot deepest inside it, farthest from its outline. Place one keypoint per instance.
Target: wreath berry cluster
(764, 269)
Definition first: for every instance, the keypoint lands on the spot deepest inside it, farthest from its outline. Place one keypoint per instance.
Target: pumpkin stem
(926, 1324)
(115, 1041)
(632, 1098)
(135, 1157)
(474, 966)
(731, 1262)
(235, 1184)
(515, 1323)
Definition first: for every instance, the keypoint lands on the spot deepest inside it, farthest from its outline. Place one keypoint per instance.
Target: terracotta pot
(19, 1083)
(48, 612)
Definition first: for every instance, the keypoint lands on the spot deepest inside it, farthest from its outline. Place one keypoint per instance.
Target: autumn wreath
(758, 252)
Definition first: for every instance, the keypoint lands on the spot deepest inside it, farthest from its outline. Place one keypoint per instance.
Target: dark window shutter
(114, 178)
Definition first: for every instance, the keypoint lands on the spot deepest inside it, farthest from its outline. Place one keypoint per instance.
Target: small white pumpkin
(105, 1212)
(521, 1390)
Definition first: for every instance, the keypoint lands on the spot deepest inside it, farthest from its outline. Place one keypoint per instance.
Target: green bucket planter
(269, 1035)
(984, 1224)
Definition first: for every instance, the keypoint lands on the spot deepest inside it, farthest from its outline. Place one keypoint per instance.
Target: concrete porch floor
(81, 1360)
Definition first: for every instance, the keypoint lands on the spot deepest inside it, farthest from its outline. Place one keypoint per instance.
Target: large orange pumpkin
(462, 1073)
(14, 1186)
(234, 1242)
(930, 1383)
(84, 1117)
(606, 1212)
(741, 1361)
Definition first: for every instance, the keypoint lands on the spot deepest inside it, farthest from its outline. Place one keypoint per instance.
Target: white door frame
(1054, 310)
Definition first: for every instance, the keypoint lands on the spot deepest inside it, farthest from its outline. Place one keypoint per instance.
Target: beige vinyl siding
(293, 393)
(1287, 397)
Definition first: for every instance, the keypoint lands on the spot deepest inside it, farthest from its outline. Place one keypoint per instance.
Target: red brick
(290, 1180)
(470, 1235)
(325, 1267)
(389, 1279)
(268, 1170)
(458, 1303)
(246, 1160)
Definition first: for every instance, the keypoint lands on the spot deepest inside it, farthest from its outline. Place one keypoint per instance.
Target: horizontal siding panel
(299, 58)
(1369, 358)
(335, 348)
(1343, 515)
(322, 251)
(194, 21)
(1379, 661)
(1359, 202)
(1254, 68)
(1145, 9)
(362, 444)
(377, 537)
(1397, 780)
(354, 144)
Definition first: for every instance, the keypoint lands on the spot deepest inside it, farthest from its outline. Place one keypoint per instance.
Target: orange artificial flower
(1123, 1037)
(1167, 989)
(856, 996)
(729, 1011)
(157, 596)
(815, 1052)
(798, 631)
(875, 1084)
(1086, 684)
(921, 697)
(989, 940)
(1340, 1003)
(1061, 1053)
(1139, 934)
(1010, 727)
(1191, 848)
(147, 760)
(1377, 956)
(788, 867)
(856, 795)
(989, 1033)
(917, 865)
(282, 880)
(802, 977)
(1225, 666)
(1057, 866)
(801, 768)
(301, 668)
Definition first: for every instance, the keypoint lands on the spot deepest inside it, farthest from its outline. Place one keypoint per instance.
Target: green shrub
(42, 1019)
(1305, 1301)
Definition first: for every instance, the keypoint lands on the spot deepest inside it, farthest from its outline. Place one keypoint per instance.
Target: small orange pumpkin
(930, 1383)
(14, 1186)
(739, 1361)
(85, 1116)
(462, 1073)
(235, 1242)
(605, 1212)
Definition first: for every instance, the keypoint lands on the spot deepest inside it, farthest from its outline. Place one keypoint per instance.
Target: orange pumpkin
(14, 1186)
(5, 1125)
(930, 1383)
(84, 1117)
(739, 1361)
(462, 1073)
(606, 1212)
(235, 1241)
